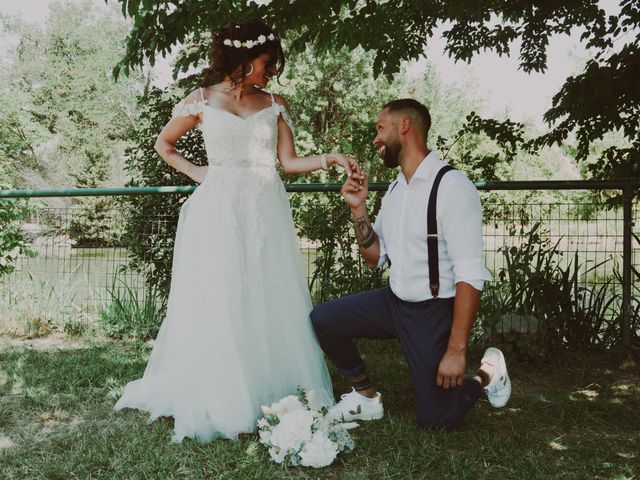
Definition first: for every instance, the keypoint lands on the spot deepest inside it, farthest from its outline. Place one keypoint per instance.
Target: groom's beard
(391, 154)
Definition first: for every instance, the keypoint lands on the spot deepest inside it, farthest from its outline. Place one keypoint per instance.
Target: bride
(237, 333)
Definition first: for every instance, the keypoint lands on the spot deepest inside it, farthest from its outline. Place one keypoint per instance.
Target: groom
(429, 231)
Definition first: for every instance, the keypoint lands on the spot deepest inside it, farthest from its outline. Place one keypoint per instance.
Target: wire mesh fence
(72, 279)
(590, 232)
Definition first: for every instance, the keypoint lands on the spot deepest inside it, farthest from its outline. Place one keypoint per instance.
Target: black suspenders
(432, 233)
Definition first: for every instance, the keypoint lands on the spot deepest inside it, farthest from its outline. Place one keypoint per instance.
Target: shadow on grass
(80, 372)
(571, 417)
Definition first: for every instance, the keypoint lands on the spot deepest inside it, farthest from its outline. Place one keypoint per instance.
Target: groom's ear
(405, 125)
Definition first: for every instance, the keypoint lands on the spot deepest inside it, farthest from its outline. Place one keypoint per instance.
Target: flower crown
(249, 43)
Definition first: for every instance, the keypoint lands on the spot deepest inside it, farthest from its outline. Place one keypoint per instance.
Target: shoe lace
(347, 395)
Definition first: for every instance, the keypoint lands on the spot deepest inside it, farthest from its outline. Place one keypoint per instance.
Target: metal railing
(611, 234)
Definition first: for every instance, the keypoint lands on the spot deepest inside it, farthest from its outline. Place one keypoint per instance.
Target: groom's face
(387, 139)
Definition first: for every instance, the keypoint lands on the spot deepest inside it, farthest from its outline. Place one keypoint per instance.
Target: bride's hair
(234, 46)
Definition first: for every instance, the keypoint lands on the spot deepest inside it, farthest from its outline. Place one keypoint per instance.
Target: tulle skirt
(237, 334)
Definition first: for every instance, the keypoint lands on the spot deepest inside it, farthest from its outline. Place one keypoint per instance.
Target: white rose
(250, 43)
(265, 436)
(293, 430)
(319, 452)
(262, 39)
(287, 404)
(237, 43)
(227, 42)
(268, 410)
(271, 37)
(277, 454)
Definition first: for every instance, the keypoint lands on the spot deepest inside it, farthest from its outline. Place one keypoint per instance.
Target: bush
(129, 316)
(539, 291)
(13, 241)
(97, 222)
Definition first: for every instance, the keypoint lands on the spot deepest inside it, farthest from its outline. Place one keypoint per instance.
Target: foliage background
(65, 120)
(601, 99)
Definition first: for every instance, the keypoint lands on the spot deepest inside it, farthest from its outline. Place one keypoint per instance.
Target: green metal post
(627, 195)
(322, 187)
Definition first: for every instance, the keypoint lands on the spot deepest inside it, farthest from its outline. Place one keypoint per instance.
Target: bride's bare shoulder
(281, 100)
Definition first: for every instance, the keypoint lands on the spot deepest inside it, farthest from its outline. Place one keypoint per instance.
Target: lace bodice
(242, 155)
(234, 141)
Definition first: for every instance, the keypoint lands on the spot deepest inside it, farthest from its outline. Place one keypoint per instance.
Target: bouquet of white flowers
(298, 431)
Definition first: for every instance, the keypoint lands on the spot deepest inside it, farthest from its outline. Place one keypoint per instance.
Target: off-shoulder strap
(281, 110)
(185, 109)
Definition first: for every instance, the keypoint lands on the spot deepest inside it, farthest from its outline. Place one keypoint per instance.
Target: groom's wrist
(359, 211)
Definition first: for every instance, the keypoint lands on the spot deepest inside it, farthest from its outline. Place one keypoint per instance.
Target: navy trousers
(423, 329)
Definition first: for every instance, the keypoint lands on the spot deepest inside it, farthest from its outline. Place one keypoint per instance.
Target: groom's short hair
(418, 112)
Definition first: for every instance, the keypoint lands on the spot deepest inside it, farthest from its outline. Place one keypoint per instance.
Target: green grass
(575, 417)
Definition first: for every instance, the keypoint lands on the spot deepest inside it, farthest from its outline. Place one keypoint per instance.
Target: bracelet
(370, 240)
(323, 161)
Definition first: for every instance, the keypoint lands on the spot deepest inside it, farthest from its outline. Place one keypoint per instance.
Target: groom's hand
(355, 190)
(451, 369)
(349, 164)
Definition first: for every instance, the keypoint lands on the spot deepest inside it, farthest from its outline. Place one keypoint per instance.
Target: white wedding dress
(237, 333)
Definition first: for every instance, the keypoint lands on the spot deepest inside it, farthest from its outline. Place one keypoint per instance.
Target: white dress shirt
(401, 226)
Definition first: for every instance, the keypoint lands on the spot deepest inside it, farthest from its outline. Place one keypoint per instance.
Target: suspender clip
(435, 288)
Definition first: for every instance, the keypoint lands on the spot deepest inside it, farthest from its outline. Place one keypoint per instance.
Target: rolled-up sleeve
(460, 215)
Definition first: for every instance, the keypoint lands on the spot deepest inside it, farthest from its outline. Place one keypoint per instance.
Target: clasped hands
(356, 187)
(349, 164)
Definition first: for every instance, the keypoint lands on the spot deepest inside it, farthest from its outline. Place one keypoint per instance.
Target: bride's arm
(166, 146)
(293, 164)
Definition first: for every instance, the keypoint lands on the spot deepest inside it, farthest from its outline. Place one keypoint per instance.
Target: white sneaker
(354, 406)
(499, 390)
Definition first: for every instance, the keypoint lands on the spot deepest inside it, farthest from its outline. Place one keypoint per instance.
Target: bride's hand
(350, 164)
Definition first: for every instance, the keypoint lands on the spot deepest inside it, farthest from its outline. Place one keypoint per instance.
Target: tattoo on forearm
(364, 232)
